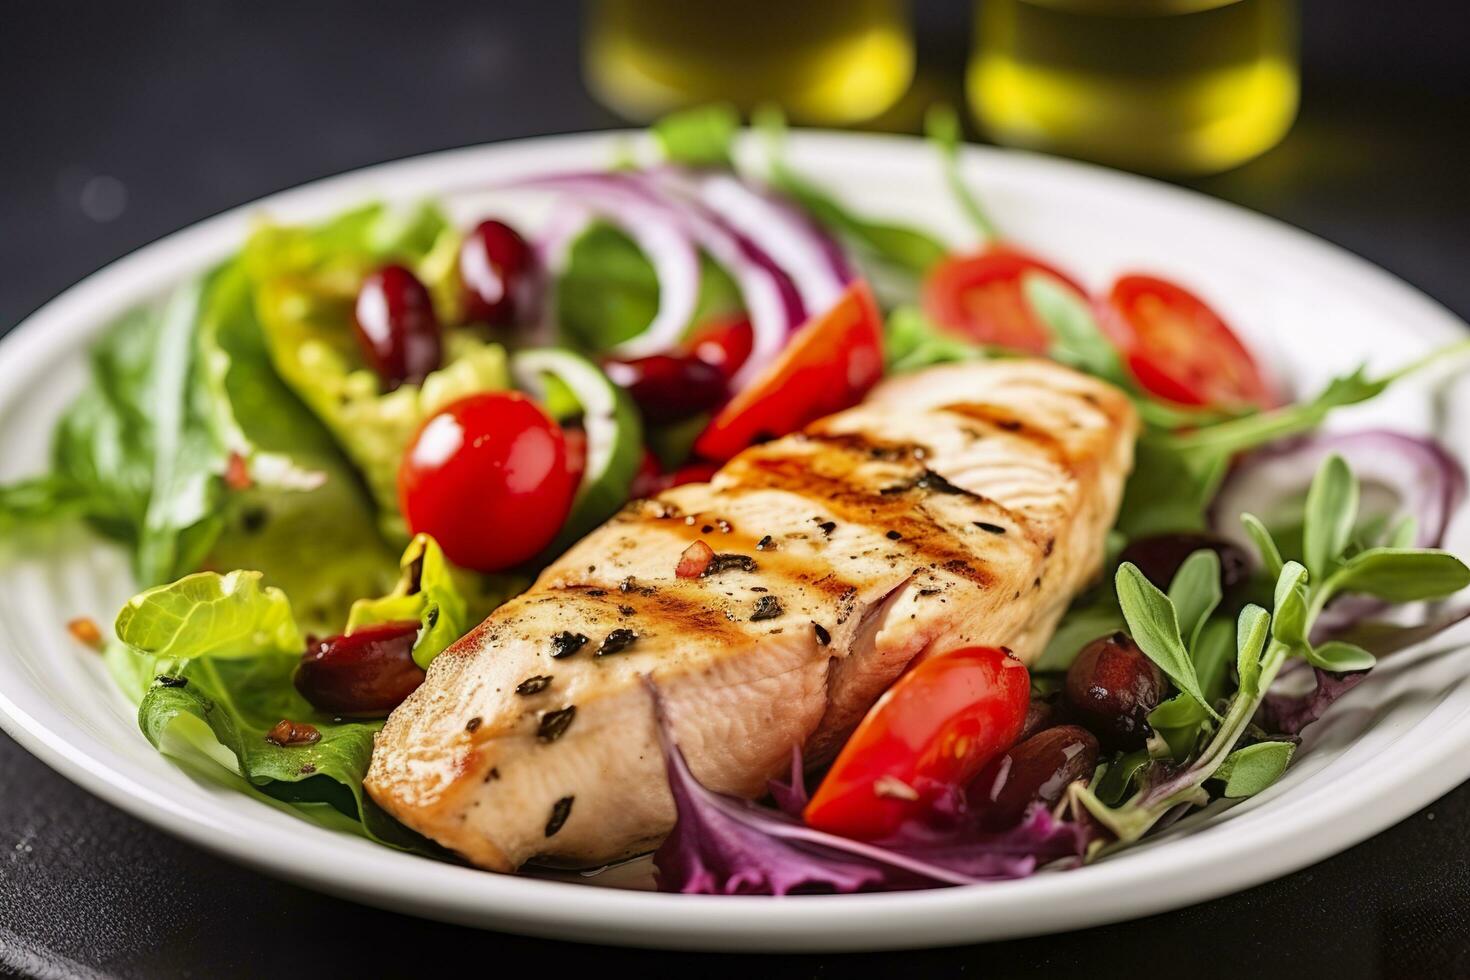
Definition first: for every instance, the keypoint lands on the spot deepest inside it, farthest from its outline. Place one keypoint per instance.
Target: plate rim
(1107, 892)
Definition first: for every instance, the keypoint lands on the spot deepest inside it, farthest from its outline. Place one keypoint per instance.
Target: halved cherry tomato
(487, 476)
(1181, 350)
(979, 296)
(937, 726)
(723, 344)
(828, 365)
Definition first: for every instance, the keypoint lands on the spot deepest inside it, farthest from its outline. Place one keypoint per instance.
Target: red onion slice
(1423, 479)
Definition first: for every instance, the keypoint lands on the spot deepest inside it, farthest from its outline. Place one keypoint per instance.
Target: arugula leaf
(1340, 657)
(1247, 771)
(901, 246)
(942, 126)
(699, 137)
(1332, 510)
(426, 592)
(1154, 626)
(913, 341)
(1402, 574)
(1195, 592)
(1077, 340)
(608, 291)
(210, 615)
(1181, 719)
(1120, 776)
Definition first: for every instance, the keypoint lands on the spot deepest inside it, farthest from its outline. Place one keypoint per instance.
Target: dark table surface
(120, 123)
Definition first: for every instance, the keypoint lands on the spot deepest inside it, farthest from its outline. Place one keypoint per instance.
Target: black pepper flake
(933, 481)
(707, 529)
(989, 528)
(626, 610)
(554, 724)
(630, 584)
(493, 774)
(560, 810)
(767, 607)
(757, 588)
(473, 724)
(823, 637)
(566, 643)
(617, 641)
(533, 685)
(827, 527)
(765, 544)
(927, 592)
(894, 536)
(597, 593)
(253, 520)
(725, 562)
(168, 680)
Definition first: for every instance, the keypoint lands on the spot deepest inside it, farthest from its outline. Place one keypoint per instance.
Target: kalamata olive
(667, 387)
(1040, 714)
(494, 261)
(1036, 770)
(396, 326)
(1159, 556)
(366, 673)
(1111, 688)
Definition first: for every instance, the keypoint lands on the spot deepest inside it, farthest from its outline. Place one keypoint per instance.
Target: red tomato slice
(979, 296)
(1181, 350)
(828, 365)
(723, 344)
(937, 726)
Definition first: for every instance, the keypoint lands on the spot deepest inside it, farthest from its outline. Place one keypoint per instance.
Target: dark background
(122, 122)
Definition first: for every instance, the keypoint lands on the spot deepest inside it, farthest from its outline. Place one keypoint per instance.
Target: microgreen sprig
(1265, 641)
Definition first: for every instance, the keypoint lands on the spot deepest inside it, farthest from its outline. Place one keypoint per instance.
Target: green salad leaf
(702, 136)
(210, 615)
(426, 593)
(1245, 772)
(942, 126)
(1154, 625)
(912, 341)
(608, 291)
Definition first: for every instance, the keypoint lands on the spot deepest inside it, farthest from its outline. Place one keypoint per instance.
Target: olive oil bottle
(1163, 86)
(831, 62)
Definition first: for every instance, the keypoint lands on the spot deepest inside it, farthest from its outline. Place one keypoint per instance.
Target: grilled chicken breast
(960, 505)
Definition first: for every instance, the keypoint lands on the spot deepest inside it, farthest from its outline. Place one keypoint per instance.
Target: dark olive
(1159, 556)
(1037, 770)
(494, 262)
(366, 673)
(1111, 688)
(669, 387)
(1040, 714)
(396, 327)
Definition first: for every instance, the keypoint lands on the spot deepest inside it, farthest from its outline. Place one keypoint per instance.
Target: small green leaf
(1195, 592)
(1340, 658)
(1289, 622)
(1265, 544)
(1245, 772)
(1155, 628)
(1332, 509)
(1121, 776)
(698, 137)
(1076, 338)
(1403, 574)
(1251, 632)
(942, 126)
(1404, 533)
(426, 592)
(210, 615)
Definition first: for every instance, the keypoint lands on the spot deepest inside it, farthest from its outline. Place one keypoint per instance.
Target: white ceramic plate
(1396, 743)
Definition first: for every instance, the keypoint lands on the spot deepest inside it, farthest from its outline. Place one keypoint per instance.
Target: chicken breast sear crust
(960, 505)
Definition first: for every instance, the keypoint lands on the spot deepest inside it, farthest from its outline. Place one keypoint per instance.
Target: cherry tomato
(979, 296)
(1180, 349)
(487, 477)
(723, 344)
(936, 727)
(827, 365)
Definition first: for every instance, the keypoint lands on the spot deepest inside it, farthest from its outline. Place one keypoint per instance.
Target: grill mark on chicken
(1005, 420)
(861, 444)
(674, 608)
(925, 538)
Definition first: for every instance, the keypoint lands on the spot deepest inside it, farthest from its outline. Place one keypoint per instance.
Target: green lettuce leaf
(427, 593)
(211, 615)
